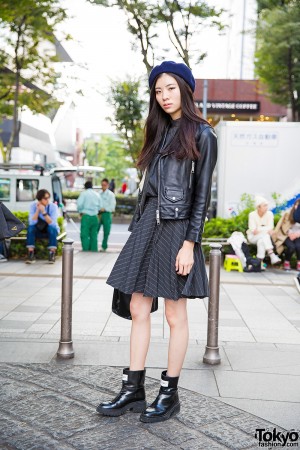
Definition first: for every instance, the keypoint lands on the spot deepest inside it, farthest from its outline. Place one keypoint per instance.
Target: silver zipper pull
(192, 171)
(157, 217)
(176, 212)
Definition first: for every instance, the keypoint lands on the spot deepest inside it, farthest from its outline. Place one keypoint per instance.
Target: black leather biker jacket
(184, 186)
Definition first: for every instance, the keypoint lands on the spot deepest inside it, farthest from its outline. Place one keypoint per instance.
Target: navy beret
(179, 69)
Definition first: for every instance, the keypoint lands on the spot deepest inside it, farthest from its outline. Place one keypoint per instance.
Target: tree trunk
(18, 65)
(291, 86)
(15, 127)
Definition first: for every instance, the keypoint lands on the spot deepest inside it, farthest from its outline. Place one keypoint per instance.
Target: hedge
(18, 249)
(125, 204)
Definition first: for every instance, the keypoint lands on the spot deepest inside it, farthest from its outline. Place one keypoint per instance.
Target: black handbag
(121, 304)
(41, 224)
(253, 265)
(9, 224)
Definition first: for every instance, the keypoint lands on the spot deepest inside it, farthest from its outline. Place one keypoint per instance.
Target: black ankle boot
(166, 403)
(131, 396)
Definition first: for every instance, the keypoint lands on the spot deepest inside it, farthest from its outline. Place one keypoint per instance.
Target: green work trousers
(89, 233)
(105, 219)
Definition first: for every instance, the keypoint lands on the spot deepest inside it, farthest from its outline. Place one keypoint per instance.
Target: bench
(16, 247)
(208, 241)
(22, 237)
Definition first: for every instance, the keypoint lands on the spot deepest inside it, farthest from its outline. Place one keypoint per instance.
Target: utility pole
(205, 88)
(243, 40)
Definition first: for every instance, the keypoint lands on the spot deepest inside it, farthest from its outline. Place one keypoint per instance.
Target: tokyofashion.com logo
(274, 438)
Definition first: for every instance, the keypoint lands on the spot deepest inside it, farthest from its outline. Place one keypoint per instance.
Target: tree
(270, 4)
(128, 108)
(108, 152)
(141, 22)
(278, 54)
(182, 18)
(27, 75)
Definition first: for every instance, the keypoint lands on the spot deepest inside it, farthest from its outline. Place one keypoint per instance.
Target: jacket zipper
(191, 174)
(158, 184)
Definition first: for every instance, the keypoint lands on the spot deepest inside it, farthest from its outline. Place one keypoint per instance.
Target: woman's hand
(185, 258)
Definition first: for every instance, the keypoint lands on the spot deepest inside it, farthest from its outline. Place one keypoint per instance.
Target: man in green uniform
(108, 205)
(89, 205)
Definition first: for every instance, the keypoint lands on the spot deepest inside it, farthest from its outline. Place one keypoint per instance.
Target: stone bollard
(65, 349)
(212, 355)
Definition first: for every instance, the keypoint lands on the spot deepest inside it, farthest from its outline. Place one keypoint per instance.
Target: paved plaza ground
(52, 403)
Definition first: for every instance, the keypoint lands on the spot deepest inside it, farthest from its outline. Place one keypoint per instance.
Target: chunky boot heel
(138, 407)
(166, 404)
(131, 397)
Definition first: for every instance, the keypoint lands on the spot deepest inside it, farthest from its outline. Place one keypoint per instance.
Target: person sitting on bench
(261, 228)
(42, 224)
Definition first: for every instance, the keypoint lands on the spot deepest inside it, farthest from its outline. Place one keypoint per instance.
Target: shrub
(18, 249)
(223, 228)
(125, 204)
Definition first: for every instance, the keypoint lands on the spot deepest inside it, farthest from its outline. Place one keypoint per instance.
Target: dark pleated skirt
(146, 263)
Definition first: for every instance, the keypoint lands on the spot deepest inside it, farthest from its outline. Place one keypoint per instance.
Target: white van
(19, 185)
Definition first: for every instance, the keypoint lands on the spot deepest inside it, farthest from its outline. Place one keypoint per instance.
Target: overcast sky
(102, 44)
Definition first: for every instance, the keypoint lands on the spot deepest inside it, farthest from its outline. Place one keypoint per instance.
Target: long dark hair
(158, 120)
(291, 215)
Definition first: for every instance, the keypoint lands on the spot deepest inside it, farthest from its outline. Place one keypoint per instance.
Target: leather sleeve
(207, 146)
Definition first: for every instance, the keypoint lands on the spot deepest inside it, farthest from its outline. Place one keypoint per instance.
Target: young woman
(287, 234)
(163, 257)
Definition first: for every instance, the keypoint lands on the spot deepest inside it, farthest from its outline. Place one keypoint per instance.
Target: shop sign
(230, 107)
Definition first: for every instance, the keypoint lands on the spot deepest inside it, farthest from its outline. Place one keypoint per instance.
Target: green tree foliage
(128, 108)
(109, 153)
(183, 19)
(278, 54)
(27, 76)
(270, 4)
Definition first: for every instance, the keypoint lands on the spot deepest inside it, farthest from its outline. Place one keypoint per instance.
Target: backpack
(253, 265)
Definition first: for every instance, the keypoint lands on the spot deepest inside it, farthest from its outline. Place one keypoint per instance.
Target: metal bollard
(65, 349)
(212, 355)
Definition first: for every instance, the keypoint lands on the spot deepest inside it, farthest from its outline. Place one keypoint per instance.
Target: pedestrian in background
(124, 187)
(108, 206)
(88, 205)
(286, 236)
(260, 230)
(112, 185)
(163, 256)
(2, 252)
(42, 223)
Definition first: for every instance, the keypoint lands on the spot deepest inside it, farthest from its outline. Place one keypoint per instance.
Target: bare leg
(176, 315)
(140, 308)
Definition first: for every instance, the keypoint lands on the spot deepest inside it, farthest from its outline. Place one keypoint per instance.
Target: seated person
(287, 234)
(2, 252)
(260, 230)
(42, 223)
